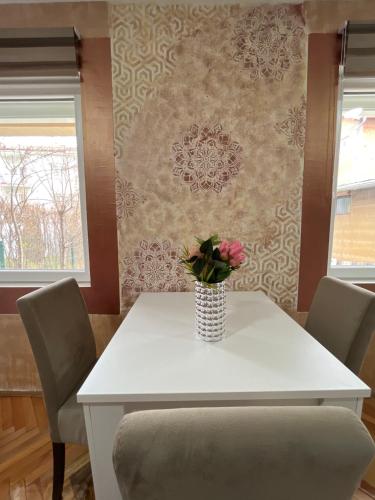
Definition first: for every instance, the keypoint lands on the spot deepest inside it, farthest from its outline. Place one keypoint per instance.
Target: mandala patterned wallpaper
(209, 110)
(206, 158)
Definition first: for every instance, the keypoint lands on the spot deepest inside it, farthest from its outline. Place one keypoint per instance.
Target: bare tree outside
(60, 180)
(40, 215)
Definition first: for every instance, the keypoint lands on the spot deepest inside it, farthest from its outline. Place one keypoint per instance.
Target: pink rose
(236, 255)
(232, 251)
(224, 249)
(237, 261)
(194, 251)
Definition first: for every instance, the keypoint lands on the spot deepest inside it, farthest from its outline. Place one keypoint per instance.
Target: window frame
(353, 274)
(16, 278)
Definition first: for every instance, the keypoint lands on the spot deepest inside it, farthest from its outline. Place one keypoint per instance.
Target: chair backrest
(273, 453)
(60, 334)
(342, 318)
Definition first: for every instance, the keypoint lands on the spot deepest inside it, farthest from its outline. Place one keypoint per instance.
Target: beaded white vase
(210, 311)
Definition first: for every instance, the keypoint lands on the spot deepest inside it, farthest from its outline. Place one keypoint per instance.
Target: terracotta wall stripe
(323, 61)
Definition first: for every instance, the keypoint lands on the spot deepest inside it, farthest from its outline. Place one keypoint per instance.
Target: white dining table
(155, 361)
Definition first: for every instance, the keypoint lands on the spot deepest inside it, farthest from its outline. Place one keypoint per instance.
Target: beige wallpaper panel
(209, 112)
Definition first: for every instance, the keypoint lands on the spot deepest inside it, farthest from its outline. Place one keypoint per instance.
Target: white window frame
(36, 90)
(353, 274)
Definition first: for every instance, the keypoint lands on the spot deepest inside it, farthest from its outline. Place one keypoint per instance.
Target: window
(352, 241)
(43, 229)
(343, 204)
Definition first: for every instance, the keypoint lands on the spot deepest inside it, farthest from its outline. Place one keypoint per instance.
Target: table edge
(365, 392)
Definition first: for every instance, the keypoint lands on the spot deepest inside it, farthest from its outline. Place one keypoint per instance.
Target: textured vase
(210, 311)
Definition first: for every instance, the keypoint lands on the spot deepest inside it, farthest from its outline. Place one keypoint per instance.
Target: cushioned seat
(284, 453)
(342, 318)
(60, 334)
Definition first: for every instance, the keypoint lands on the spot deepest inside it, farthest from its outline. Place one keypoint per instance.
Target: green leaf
(209, 275)
(219, 264)
(192, 259)
(198, 266)
(207, 247)
(216, 254)
(222, 275)
(215, 239)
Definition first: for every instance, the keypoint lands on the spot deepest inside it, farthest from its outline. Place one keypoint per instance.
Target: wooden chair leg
(58, 470)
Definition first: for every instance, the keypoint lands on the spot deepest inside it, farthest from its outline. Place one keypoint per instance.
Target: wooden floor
(26, 456)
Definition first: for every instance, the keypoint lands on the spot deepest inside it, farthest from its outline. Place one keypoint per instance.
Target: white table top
(154, 356)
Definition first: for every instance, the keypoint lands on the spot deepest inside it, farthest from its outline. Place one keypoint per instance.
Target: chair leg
(58, 470)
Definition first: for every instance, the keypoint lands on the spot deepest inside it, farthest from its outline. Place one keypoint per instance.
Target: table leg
(101, 424)
(354, 404)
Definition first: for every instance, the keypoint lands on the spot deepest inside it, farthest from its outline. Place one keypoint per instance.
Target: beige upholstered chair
(342, 318)
(280, 453)
(60, 334)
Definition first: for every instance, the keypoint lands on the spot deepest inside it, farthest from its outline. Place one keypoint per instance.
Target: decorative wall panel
(209, 110)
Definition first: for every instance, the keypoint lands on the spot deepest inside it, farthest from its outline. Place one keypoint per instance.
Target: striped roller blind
(358, 49)
(44, 53)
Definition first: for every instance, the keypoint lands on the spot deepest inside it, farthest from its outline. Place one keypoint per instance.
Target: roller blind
(358, 49)
(44, 54)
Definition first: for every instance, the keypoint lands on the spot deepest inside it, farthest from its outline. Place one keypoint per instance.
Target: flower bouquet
(211, 262)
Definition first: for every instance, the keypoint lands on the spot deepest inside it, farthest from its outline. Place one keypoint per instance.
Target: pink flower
(236, 253)
(224, 249)
(232, 251)
(194, 251)
(237, 261)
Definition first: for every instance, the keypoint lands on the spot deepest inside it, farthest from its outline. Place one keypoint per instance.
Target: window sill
(355, 275)
(28, 284)
(38, 278)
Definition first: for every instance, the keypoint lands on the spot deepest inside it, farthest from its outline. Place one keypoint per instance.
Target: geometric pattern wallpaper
(209, 111)
(144, 49)
(272, 262)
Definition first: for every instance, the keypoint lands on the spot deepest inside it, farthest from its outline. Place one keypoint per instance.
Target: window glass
(353, 238)
(343, 204)
(41, 223)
